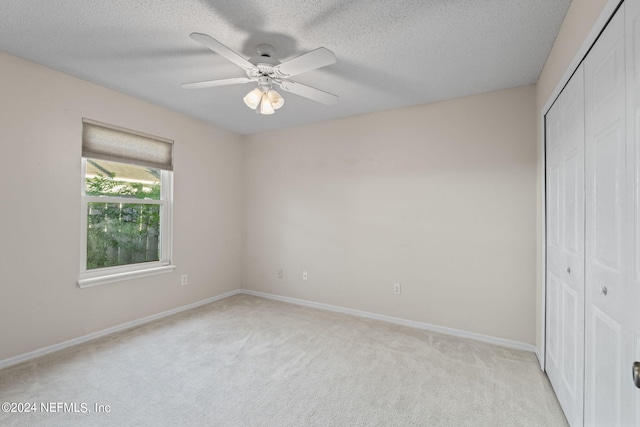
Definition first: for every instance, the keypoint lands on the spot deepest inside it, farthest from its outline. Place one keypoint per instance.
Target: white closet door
(631, 394)
(565, 248)
(607, 228)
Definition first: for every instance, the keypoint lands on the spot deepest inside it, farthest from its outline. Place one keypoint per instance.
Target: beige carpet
(248, 361)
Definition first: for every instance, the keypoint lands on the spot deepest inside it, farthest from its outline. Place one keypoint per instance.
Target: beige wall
(40, 119)
(440, 198)
(579, 21)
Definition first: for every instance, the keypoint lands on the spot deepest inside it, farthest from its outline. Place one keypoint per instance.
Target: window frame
(99, 276)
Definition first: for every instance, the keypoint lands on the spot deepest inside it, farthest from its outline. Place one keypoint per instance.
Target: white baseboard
(56, 347)
(418, 325)
(539, 357)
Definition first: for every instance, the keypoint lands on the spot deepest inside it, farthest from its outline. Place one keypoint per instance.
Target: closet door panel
(572, 232)
(553, 328)
(606, 224)
(631, 398)
(570, 356)
(608, 157)
(565, 247)
(604, 407)
(555, 261)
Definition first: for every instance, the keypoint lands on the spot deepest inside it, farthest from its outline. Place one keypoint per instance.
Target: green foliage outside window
(121, 233)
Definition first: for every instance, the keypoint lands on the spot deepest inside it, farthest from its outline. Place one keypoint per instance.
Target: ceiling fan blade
(309, 92)
(318, 58)
(212, 83)
(222, 50)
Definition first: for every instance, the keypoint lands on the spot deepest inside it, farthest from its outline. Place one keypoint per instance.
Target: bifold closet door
(611, 364)
(631, 393)
(565, 248)
(608, 255)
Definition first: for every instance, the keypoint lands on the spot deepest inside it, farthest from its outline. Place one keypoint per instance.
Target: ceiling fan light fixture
(253, 98)
(266, 71)
(265, 105)
(275, 98)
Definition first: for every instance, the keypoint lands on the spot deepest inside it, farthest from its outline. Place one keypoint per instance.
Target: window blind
(106, 142)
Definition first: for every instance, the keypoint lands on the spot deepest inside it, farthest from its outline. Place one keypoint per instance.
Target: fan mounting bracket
(265, 50)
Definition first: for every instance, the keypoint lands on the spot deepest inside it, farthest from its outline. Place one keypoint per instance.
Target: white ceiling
(391, 54)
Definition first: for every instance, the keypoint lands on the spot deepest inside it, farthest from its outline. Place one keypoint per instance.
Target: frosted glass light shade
(253, 98)
(265, 105)
(276, 100)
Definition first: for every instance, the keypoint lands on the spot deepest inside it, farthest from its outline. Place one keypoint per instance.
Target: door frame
(603, 19)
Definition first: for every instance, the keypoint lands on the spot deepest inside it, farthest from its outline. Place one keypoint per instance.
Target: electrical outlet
(184, 279)
(304, 275)
(279, 274)
(396, 288)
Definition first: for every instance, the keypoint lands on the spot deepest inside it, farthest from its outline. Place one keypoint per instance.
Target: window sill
(117, 277)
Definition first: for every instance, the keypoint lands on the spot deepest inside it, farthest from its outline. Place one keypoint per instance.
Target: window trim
(100, 276)
(106, 277)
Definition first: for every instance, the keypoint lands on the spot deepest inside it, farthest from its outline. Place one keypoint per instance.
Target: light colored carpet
(248, 361)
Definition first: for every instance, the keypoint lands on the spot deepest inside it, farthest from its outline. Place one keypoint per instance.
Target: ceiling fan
(267, 71)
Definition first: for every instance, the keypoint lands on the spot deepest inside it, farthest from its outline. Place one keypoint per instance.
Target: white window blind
(106, 142)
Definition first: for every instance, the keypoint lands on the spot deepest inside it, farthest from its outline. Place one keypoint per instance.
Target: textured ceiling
(390, 54)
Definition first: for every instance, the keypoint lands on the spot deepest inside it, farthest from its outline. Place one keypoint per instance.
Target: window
(127, 183)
